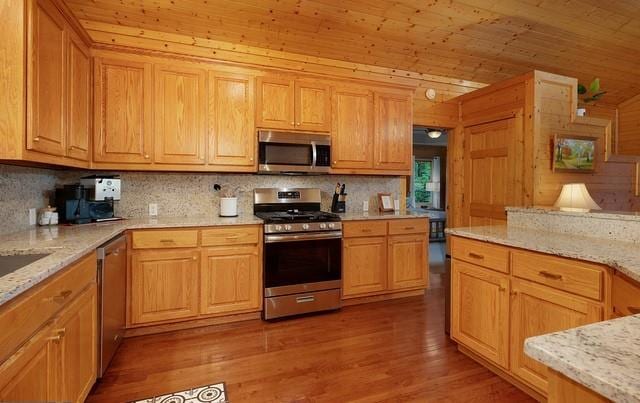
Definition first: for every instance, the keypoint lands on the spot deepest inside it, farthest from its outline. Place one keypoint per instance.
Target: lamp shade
(575, 197)
(432, 186)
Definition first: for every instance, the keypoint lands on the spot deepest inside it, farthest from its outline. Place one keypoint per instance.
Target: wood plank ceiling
(479, 40)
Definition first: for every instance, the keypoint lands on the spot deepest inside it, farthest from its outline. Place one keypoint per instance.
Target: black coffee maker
(75, 207)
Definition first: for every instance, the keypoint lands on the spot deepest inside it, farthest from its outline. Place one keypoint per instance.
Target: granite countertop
(376, 215)
(599, 214)
(605, 356)
(620, 255)
(68, 243)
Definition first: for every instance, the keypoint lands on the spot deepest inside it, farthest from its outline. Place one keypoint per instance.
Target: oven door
(293, 152)
(297, 263)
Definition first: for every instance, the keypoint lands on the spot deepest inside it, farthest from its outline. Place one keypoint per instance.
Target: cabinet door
(312, 106)
(364, 268)
(78, 347)
(46, 131)
(123, 111)
(232, 138)
(536, 310)
(408, 261)
(164, 285)
(231, 279)
(79, 84)
(275, 106)
(29, 375)
(180, 115)
(393, 131)
(480, 311)
(352, 128)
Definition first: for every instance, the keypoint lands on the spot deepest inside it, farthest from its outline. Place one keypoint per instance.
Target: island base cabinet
(565, 390)
(480, 311)
(537, 310)
(59, 363)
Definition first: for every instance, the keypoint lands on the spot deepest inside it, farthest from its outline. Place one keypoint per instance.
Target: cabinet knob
(36, 139)
(298, 124)
(146, 156)
(293, 123)
(195, 258)
(335, 162)
(251, 159)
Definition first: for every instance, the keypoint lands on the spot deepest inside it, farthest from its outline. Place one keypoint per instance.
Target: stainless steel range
(302, 252)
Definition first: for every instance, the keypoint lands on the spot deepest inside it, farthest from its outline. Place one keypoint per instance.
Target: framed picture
(574, 154)
(385, 203)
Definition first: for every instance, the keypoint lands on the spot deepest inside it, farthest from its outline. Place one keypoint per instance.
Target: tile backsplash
(177, 194)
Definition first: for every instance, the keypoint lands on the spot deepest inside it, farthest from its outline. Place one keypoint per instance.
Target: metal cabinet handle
(502, 289)
(407, 228)
(36, 139)
(366, 230)
(475, 255)
(552, 276)
(233, 237)
(308, 298)
(167, 240)
(60, 297)
(59, 335)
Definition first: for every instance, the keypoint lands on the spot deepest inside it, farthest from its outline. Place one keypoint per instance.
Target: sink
(11, 263)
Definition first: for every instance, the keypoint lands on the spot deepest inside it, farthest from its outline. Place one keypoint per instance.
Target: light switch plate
(153, 209)
(32, 216)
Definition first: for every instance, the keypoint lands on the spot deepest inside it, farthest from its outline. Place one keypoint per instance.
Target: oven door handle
(314, 155)
(274, 238)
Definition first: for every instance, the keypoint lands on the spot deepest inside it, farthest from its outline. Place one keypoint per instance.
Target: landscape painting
(574, 154)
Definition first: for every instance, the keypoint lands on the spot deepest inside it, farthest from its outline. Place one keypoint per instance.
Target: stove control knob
(323, 226)
(278, 228)
(287, 227)
(331, 225)
(305, 226)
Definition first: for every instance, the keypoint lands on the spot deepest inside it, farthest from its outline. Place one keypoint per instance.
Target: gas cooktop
(297, 216)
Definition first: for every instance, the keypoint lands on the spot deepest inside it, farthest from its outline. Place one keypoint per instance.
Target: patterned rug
(214, 393)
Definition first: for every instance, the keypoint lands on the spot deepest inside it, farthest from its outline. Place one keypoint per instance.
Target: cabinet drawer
(231, 235)
(352, 229)
(481, 253)
(625, 296)
(408, 226)
(165, 239)
(20, 318)
(569, 275)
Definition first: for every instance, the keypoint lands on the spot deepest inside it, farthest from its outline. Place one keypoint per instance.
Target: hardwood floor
(393, 351)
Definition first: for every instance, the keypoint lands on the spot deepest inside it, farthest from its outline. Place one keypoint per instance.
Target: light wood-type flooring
(392, 351)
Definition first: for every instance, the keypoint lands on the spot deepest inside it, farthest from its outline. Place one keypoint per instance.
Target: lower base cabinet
(59, 363)
(407, 261)
(364, 268)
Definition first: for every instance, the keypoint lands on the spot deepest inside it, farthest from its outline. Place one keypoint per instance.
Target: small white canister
(228, 207)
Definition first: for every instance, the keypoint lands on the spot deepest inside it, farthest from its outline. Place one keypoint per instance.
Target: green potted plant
(587, 95)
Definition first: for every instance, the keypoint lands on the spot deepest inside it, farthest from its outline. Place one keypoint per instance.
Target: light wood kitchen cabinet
(393, 138)
(164, 285)
(232, 135)
(123, 111)
(293, 104)
(77, 348)
(352, 128)
(625, 296)
(480, 311)
(79, 84)
(364, 265)
(536, 310)
(231, 279)
(407, 261)
(180, 104)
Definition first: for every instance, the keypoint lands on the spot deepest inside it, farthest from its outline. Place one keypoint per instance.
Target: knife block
(339, 203)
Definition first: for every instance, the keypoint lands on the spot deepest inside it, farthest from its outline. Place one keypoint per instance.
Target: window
(422, 171)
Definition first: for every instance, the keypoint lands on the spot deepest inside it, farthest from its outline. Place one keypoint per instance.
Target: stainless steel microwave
(291, 152)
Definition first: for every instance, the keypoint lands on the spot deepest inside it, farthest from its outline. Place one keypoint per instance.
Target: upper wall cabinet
(58, 88)
(352, 133)
(180, 104)
(293, 104)
(393, 131)
(232, 136)
(122, 111)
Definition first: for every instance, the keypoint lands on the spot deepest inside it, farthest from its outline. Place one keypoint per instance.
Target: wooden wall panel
(628, 138)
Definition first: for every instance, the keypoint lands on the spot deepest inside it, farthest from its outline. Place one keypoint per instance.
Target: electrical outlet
(153, 209)
(32, 216)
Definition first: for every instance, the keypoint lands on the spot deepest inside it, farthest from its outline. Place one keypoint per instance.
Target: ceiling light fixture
(434, 134)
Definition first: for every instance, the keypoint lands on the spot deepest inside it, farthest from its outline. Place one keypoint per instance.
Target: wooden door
(47, 59)
(352, 128)
(180, 104)
(232, 136)
(364, 264)
(78, 326)
(231, 279)
(123, 111)
(493, 171)
(79, 89)
(408, 257)
(164, 285)
(480, 311)
(393, 131)
(30, 374)
(312, 106)
(536, 310)
(275, 103)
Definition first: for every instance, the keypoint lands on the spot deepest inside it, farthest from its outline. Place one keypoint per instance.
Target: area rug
(214, 393)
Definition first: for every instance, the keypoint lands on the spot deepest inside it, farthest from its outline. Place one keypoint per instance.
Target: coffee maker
(90, 200)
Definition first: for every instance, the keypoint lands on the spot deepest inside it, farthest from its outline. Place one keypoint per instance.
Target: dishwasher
(112, 274)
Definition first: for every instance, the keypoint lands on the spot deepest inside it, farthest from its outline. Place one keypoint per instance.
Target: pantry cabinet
(123, 111)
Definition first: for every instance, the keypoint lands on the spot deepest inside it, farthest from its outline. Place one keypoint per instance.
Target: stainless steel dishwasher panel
(112, 274)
